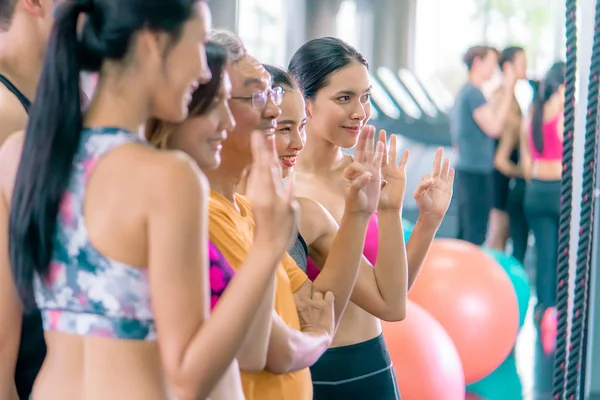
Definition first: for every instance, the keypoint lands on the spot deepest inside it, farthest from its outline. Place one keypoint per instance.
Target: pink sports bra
(553, 145)
(369, 250)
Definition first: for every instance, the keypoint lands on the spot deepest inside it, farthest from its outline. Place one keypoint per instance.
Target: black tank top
(299, 252)
(32, 348)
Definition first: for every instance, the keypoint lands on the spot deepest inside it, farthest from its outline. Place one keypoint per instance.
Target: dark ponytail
(55, 122)
(543, 91)
(51, 142)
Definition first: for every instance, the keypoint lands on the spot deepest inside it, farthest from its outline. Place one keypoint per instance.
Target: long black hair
(55, 121)
(317, 59)
(543, 91)
(157, 132)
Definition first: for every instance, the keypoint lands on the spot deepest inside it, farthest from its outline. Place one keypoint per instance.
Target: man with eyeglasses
(292, 346)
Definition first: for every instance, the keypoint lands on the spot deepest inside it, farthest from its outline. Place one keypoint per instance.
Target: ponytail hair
(51, 141)
(543, 91)
(53, 133)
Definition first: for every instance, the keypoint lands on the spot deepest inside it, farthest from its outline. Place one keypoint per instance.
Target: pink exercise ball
(426, 362)
(472, 297)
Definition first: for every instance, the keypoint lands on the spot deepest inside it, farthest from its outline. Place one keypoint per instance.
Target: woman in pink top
(542, 147)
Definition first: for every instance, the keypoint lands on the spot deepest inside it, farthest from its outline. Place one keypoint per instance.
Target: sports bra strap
(13, 89)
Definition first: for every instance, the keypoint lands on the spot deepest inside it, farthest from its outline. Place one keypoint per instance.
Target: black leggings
(542, 208)
(474, 194)
(361, 371)
(519, 226)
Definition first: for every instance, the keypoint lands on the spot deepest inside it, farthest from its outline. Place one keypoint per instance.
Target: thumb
(424, 185)
(354, 170)
(329, 298)
(359, 183)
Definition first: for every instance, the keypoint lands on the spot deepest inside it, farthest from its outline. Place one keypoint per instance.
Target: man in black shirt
(24, 29)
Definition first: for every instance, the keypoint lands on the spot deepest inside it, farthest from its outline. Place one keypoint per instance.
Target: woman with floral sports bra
(541, 149)
(106, 233)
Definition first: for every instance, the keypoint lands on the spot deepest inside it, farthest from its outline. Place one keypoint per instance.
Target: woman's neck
(319, 155)
(117, 106)
(21, 61)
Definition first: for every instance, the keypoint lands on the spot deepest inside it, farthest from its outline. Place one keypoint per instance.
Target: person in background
(474, 124)
(541, 158)
(24, 31)
(507, 218)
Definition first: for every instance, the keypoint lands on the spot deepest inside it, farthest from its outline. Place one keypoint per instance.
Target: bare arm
(13, 117)
(229, 386)
(560, 127)
(343, 258)
(291, 350)
(196, 351)
(368, 292)
(417, 248)
(508, 142)
(525, 155)
(11, 310)
(491, 116)
(252, 356)
(10, 313)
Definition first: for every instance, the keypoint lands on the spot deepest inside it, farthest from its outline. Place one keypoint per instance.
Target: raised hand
(394, 175)
(434, 192)
(363, 175)
(316, 313)
(273, 205)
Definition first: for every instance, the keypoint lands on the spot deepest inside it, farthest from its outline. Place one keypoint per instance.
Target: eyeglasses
(259, 99)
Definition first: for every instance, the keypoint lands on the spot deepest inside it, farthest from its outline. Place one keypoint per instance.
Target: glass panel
(374, 113)
(440, 95)
(261, 25)
(383, 101)
(415, 88)
(399, 93)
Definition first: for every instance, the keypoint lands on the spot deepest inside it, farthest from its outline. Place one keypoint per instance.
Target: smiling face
(290, 135)
(201, 136)
(176, 76)
(342, 107)
(248, 76)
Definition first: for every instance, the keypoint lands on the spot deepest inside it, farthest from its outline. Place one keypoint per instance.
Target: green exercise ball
(408, 228)
(502, 384)
(518, 277)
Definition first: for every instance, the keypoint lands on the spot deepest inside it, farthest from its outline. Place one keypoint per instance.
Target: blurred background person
(475, 124)
(507, 218)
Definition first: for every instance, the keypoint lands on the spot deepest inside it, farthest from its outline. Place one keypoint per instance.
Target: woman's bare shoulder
(161, 170)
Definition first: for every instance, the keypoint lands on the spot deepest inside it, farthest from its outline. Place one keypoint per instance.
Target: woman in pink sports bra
(541, 150)
(333, 76)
